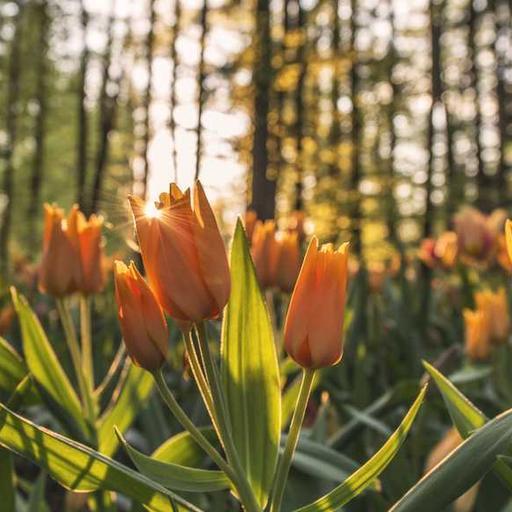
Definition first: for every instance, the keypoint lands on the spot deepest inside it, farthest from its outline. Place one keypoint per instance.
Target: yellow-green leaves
(250, 372)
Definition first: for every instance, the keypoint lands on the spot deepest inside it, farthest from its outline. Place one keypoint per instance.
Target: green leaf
(7, 491)
(461, 469)
(79, 468)
(465, 416)
(136, 389)
(36, 501)
(176, 476)
(250, 372)
(44, 365)
(12, 368)
(364, 476)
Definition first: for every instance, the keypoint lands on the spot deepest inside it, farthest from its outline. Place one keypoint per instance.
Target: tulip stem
(74, 350)
(85, 335)
(285, 459)
(202, 441)
(222, 415)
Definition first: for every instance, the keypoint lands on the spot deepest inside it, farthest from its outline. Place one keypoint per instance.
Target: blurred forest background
(378, 119)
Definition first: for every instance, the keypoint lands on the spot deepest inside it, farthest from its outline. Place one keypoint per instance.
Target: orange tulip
(495, 306)
(288, 261)
(475, 234)
(60, 271)
(508, 237)
(141, 318)
(250, 220)
(264, 250)
(91, 253)
(183, 254)
(313, 333)
(478, 334)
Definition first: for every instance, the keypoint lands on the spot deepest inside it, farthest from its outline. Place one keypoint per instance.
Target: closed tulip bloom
(91, 253)
(183, 254)
(264, 250)
(60, 270)
(288, 261)
(313, 333)
(250, 220)
(476, 237)
(478, 334)
(508, 237)
(141, 318)
(495, 305)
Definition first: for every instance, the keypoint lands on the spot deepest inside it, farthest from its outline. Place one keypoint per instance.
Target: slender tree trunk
(356, 160)
(107, 105)
(11, 118)
(81, 164)
(150, 38)
(263, 186)
(481, 178)
(174, 100)
(299, 106)
(40, 121)
(201, 80)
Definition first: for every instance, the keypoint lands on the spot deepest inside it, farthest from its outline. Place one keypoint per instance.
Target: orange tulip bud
(288, 261)
(508, 237)
(476, 237)
(60, 271)
(250, 220)
(478, 339)
(313, 333)
(141, 318)
(183, 254)
(91, 253)
(495, 306)
(264, 252)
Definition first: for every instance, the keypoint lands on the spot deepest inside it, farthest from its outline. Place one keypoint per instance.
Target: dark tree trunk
(263, 186)
(108, 106)
(356, 160)
(11, 118)
(150, 38)
(335, 128)
(173, 102)
(200, 82)
(81, 164)
(40, 121)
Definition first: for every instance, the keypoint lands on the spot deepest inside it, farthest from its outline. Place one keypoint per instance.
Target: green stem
(222, 414)
(85, 335)
(74, 350)
(201, 440)
(285, 460)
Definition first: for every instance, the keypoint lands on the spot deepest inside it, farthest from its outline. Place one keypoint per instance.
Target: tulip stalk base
(285, 460)
(85, 335)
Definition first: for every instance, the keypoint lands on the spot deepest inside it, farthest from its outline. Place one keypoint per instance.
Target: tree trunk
(11, 118)
(200, 82)
(81, 164)
(174, 100)
(263, 186)
(40, 121)
(150, 38)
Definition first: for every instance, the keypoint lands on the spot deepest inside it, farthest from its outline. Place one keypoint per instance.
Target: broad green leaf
(44, 365)
(7, 491)
(461, 469)
(79, 468)
(465, 416)
(366, 474)
(176, 476)
(250, 372)
(12, 368)
(136, 389)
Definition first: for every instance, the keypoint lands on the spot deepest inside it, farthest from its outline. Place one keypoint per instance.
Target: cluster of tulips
(477, 240)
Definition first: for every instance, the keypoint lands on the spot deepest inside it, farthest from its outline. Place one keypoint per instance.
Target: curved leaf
(176, 476)
(7, 491)
(79, 468)
(363, 477)
(461, 469)
(250, 372)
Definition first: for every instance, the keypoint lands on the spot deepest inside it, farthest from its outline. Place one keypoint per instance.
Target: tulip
(288, 261)
(265, 251)
(141, 318)
(508, 237)
(60, 271)
(183, 254)
(478, 339)
(495, 307)
(476, 238)
(313, 333)
(502, 254)
(91, 253)
(250, 221)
